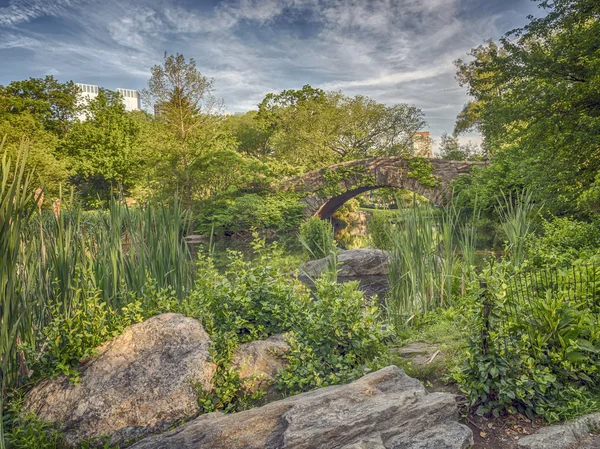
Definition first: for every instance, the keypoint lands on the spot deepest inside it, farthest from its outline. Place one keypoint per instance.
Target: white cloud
(19, 11)
(392, 50)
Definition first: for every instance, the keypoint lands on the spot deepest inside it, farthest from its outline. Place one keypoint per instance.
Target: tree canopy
(537, 103)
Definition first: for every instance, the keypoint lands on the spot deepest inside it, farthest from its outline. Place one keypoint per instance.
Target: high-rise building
(131, 98)
(87, 92)
(423, 144)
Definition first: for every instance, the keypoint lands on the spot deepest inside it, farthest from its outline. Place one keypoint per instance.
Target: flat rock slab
(140, 383)
(354, 263)
(564, 436)
(383, 410)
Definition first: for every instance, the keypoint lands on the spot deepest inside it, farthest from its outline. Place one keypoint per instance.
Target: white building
(131, 98)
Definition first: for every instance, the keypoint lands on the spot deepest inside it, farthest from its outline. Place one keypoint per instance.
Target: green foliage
(102, 151)
(336, 340)
(534, 353)
(51, 170)
(16, 208)
(251, 301)
(316, 236)
(312, 128)
(421, 169)
(426, 270)
(378, 227)
(281, 212)
(334, 336)
(516, 222)
(536, 104)
(563, 240)
(452, 150)
(53, 104)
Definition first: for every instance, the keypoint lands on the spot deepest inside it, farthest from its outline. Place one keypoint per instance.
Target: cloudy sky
(396, 51)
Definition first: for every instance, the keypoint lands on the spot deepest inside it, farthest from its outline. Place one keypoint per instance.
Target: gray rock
(259, 361)
(383, 410)
(353, 263)
(140, 383)
(562, 436)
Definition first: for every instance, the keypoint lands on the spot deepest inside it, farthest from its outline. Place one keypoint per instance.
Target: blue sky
(396, 51)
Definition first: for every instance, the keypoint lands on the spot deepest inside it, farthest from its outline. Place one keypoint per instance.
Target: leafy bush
(316, 236)
(335, 341)
(332, 335)
(532, 352)
(224, 216)
(251, 301)
(563, 240)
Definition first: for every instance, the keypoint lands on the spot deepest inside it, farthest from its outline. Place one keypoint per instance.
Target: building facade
(423, 144)
(131, 98)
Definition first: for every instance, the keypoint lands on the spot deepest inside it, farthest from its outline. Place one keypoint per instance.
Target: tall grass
(516, 215)
(16, 207)
(50, 262)
(427, 266)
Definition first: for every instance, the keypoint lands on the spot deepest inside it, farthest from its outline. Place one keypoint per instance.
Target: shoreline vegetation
(495, 295)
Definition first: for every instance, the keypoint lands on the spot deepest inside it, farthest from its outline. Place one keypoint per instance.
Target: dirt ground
(489, 432)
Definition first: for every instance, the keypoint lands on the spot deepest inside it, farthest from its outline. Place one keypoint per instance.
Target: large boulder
(354, 263)
(140, 383)
(258, 363)
(383, 410)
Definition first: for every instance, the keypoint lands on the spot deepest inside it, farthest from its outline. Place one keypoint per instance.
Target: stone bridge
(328, 188)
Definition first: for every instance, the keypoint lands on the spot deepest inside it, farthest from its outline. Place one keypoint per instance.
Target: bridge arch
(328, 188)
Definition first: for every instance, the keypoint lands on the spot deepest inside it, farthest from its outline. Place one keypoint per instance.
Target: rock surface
(139, 383)
(259, 361)
(353, 263)
(383, 410)
(563, 436)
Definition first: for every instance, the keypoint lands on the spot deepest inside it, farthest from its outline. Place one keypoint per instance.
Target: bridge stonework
(328, 188)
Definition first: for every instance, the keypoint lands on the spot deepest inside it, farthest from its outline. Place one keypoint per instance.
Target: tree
(452, 150)
(50, 169)
(313, 128)
(537, 103)
(251, 136)
(102, 151)
(53, 103)
(186, 105)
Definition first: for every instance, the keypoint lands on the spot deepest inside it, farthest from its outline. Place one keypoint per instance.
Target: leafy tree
(251, 136)
(53, 103)
(313, 128)
(184, 99)
(102, 150)
(537, 104)
(50, 169)
(451, 149)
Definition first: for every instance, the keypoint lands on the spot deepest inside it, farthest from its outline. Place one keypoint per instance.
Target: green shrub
(316, 236)
(563, 239)
(538, 352)
(281, 212)
(332, 335)
(337, 339)
(378, 228)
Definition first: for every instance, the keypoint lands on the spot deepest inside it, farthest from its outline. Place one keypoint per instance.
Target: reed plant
(58, 265)
(516, 215)
(426, 267)
(17, 206)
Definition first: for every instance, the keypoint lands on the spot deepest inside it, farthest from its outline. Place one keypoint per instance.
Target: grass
(427, 268)
(56, 265)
